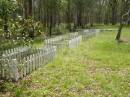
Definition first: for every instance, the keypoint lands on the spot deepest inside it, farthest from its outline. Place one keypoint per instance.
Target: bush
(27, 28)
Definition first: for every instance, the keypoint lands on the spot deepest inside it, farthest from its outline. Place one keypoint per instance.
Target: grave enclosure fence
(18, 62)
(14, 69)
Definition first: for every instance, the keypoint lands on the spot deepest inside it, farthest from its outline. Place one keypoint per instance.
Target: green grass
(99, 67)
(102, 26)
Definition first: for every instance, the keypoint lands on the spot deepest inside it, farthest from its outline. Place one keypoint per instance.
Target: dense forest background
(34, 18)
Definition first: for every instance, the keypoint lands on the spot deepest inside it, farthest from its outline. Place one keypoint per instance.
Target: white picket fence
(109, 30)
(19, 62)
(13, 69)
(14, 53)
(71, 35)
(18, 49)
(67, 40)
(86, 34)
(54, 40)
(75, 42)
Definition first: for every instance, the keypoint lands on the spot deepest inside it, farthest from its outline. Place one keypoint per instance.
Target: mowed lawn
(99, 67)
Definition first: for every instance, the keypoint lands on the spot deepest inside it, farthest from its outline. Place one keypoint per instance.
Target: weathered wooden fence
(109, 30)
(14, 69)
(54, 40)
(18, 52)
(86, 34)
(18, 62)
(68, 40)
(74, 42)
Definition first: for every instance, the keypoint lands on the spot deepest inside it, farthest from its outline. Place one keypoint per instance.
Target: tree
(69, 14)
(7, 7)
(28, 8)
(113, 5)
(125, 19)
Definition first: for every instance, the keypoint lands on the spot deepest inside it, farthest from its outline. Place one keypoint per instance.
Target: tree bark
(119, 32)
(51, 23)
(27, 8)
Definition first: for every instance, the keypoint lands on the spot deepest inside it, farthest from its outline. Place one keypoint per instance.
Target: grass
(99, 67)
(109, 26)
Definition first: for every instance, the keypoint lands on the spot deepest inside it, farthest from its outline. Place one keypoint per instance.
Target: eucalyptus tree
(82, 11)
(79, 6)
(50, 12)
(113, 5)
(53, 11)
(92, 11)
(28, 8)
(69, 13)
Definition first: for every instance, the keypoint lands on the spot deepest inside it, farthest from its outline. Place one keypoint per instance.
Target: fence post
(14, 70)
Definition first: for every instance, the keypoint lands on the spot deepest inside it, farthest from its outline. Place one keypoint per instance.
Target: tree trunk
(5, 24)
(119, 32)
(30, 8)
(121, 25)
(27, 8)
(68, 14)
(114, 11)
(51, 23)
